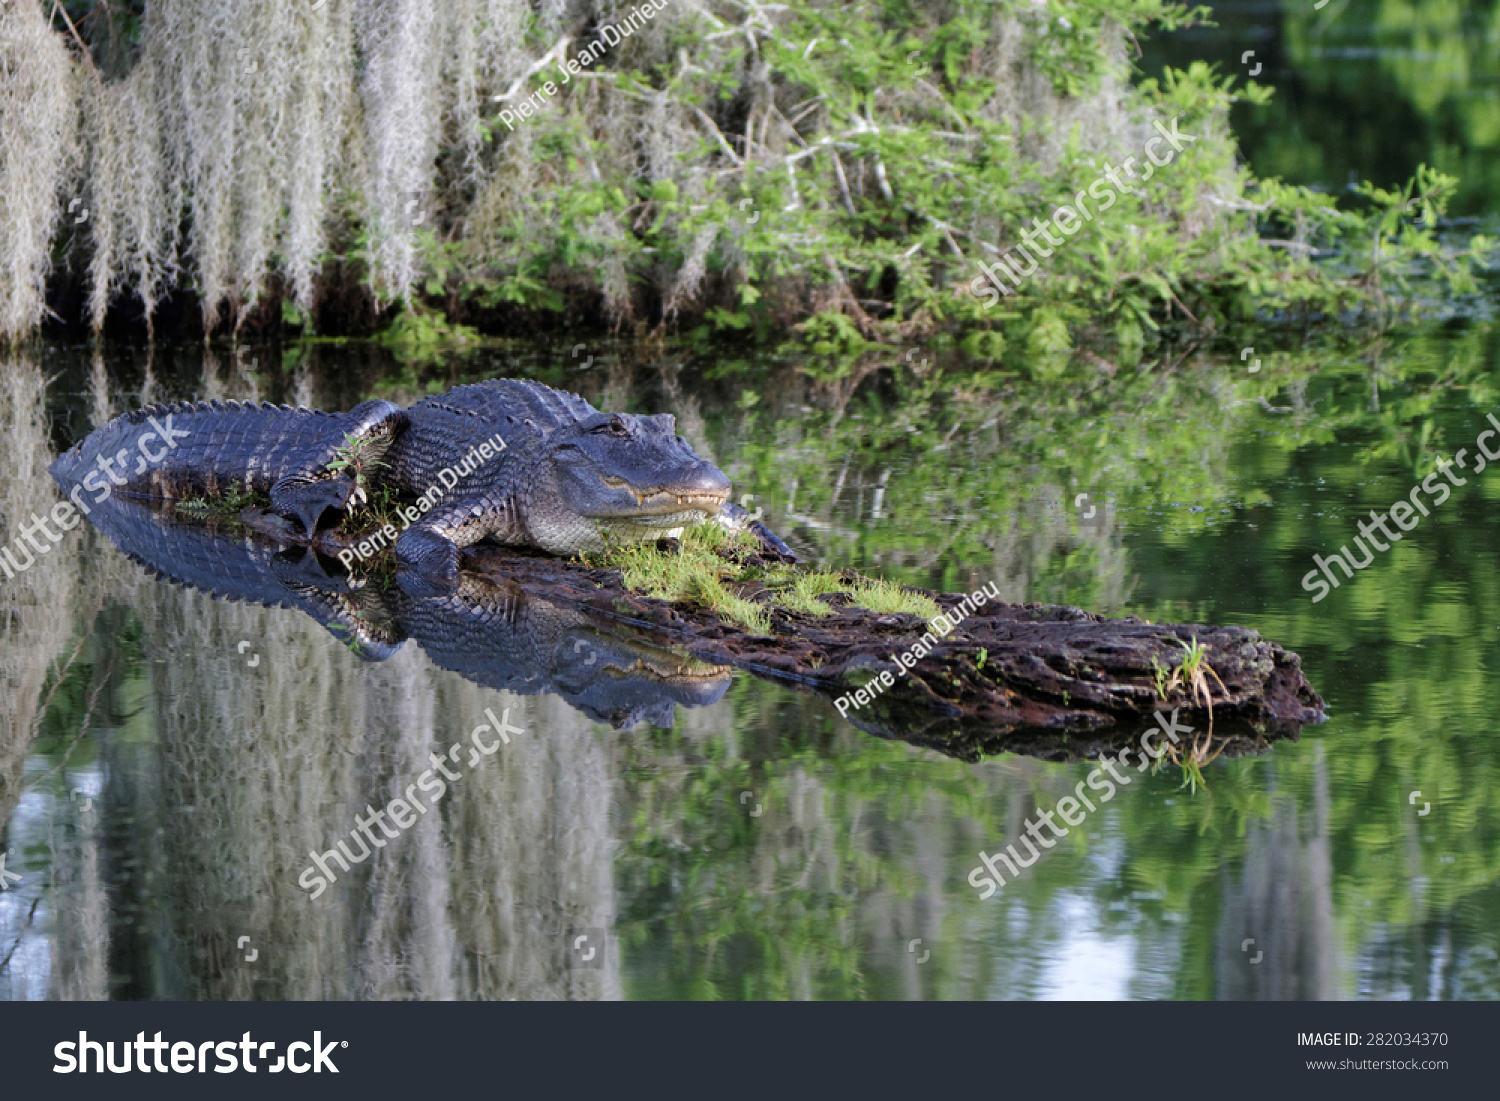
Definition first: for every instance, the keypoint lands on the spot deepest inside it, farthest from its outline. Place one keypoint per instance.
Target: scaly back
(446, 427)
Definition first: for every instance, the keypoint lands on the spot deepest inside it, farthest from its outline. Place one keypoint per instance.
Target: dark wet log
(1050, 681)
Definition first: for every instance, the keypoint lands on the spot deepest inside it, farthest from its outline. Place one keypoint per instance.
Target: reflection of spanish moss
(1284, 902)
(37, 655)
(221, 778)
(532, 857)
(32, 632)
(469, 902)
(81, 904)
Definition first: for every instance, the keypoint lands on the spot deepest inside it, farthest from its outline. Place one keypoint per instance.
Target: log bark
(1050, 681)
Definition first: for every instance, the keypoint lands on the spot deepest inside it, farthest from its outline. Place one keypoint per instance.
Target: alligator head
(625, 477)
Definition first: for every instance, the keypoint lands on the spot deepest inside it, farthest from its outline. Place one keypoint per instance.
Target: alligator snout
(704, 480)
(701, 486)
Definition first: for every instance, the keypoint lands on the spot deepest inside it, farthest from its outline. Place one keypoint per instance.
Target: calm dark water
(191, 753)
(168, 761)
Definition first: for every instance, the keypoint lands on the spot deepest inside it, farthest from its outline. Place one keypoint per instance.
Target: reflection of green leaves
(833, 334)
(426, 336)
(1418, 87)
(761, 907)
(747, 910)
(1049, 335)
(351, 642)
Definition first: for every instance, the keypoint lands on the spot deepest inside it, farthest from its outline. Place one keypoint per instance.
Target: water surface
(189, 754)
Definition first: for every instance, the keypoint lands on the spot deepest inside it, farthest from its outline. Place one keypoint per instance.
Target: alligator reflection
(494, 633)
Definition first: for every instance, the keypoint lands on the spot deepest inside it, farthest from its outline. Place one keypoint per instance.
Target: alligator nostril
(709, 480)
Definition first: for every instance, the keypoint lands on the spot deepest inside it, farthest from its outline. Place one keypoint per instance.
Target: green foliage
(424, 336)
(354, 455)
(236, 500)
(906, 166)
(743, 168)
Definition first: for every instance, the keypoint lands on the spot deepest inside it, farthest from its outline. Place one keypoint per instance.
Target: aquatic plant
(354, 455)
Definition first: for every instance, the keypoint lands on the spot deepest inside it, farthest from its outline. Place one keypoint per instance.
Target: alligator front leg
(428, 551)
(299, 497)
(425, 550)
(330, 477)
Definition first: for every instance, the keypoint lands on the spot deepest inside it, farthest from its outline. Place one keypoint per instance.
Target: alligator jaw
(664, 502)
(642, 529)
(655, 512)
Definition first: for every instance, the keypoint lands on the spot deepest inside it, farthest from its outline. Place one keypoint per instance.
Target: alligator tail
(212, 448)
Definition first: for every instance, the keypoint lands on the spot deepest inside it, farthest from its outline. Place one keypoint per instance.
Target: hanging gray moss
(38, 147)
(663, 161)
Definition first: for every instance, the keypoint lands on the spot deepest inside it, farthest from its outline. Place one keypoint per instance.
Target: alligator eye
(615, 427)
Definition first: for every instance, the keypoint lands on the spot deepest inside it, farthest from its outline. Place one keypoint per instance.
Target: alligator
(508, 460)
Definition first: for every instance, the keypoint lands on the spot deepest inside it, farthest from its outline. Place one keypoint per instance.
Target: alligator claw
(306, 502)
